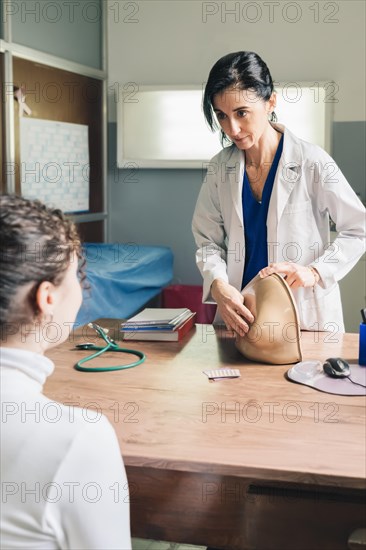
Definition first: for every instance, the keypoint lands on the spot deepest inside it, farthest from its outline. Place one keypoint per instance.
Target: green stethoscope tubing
(111, 346)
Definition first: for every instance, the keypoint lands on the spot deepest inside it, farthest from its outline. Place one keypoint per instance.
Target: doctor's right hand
(230, 303)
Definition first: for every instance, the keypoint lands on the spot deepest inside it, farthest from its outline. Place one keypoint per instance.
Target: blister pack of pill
(218, 374)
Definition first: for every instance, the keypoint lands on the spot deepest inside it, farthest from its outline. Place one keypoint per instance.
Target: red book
(162, 335)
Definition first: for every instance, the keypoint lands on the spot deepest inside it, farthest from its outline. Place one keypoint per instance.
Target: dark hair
(37, 244)
(242, 70)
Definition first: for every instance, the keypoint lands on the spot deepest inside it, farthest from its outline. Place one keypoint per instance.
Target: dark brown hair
(36, 244)
(242, 70)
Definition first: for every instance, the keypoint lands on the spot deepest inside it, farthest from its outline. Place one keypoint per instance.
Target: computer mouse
(336, 367)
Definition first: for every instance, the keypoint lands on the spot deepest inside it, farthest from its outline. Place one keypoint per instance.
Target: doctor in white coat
(265, 205)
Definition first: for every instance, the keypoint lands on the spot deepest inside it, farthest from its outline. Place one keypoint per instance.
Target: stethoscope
(111, 346)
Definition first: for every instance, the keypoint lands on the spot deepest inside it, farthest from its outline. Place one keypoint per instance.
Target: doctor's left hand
(296, 275)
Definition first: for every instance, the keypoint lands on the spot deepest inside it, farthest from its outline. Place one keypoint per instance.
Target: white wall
(177, 42)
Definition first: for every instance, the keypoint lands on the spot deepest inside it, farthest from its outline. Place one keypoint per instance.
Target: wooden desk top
(167, 414)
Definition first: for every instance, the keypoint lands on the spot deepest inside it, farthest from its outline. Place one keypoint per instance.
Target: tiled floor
(143, 544)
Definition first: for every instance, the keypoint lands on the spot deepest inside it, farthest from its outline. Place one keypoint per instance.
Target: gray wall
(72, 30)
(1, 20)
(349, 146)
(155, 207)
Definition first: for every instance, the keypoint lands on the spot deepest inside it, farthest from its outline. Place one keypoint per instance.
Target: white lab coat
(308, 188)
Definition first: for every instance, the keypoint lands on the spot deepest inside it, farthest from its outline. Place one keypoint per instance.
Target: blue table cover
(122, 279)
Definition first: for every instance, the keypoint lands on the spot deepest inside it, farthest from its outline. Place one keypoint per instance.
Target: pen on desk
(363, 315)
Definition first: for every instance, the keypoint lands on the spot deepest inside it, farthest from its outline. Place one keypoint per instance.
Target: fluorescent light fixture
(164, 127)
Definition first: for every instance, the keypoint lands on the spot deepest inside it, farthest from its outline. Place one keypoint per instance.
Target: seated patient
(63, 480)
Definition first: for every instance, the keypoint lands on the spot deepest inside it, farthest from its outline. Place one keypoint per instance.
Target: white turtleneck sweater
(63, 480)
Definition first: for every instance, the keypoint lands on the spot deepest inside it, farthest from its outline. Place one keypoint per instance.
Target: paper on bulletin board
(54, 159)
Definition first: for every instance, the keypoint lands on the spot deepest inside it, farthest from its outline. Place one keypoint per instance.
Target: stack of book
(159, 324)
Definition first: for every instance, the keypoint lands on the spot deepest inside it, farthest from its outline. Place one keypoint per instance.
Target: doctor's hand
(296, 275)
(230, 303)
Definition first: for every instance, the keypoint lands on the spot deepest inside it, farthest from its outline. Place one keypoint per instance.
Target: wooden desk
(251, 463)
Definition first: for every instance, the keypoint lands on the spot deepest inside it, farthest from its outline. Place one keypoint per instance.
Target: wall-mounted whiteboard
(164, 127)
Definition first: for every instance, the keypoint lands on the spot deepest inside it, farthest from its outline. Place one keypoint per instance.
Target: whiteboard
(164, 127)
(54, 160)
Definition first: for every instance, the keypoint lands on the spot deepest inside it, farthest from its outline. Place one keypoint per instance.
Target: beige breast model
(274, 337)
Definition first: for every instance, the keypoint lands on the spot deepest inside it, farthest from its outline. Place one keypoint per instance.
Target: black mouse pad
(310, 373)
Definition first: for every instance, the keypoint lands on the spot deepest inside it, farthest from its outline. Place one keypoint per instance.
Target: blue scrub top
(255, 221)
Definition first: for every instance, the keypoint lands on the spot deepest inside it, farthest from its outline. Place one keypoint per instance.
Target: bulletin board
(55, 163)
(56, 95)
